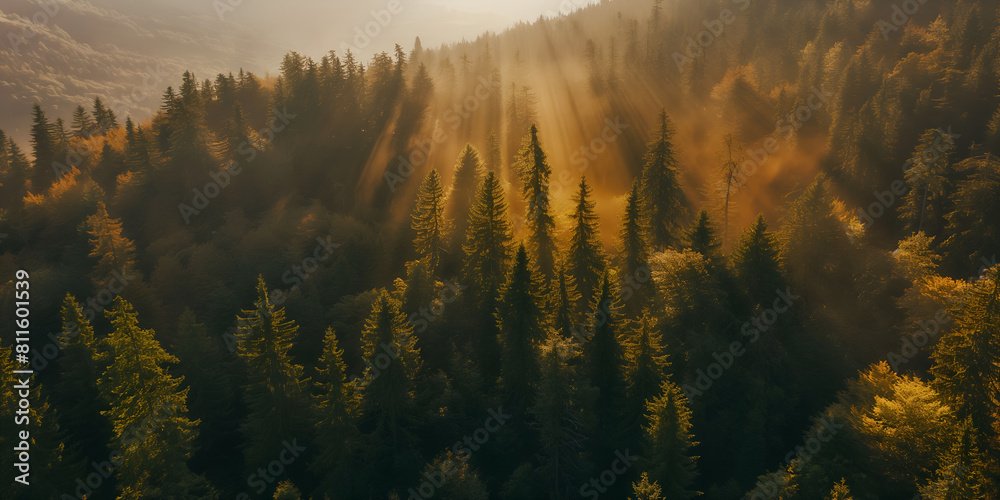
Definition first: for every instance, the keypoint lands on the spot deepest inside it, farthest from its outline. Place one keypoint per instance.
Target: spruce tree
(336, 407)
(562, 410)
(756, 262)
(148, 413)
(669, 441)
(645, 490)
(114, 251)
(211, 393)
(275, 395)
(927, 203)
(487, 257)
(76, 390)
(393, 361)
(428, 220)
(43, 145)
(534, 171)
(566, 320)
(967, 359)
(585, 256)
(701, 237)
(647, 366)
(661, 187)
(493, 161)
(83, 124)
(633, 253)
(468, 175)
(522, 329)
(603, 353)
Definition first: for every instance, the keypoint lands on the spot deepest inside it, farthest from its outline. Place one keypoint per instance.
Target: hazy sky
(62, 53)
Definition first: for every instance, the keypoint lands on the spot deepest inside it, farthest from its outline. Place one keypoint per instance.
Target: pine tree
(76, 390)
(647, 366)
(927, 203)
(336, 406)
(83, 124)
(534, 171)
(105, 118)
(585, 256)
(115, 252)
(487, 259)
(493, 161)
(603, 352)
(701, 236)
(963, 471)
(840, 491)
(275, 392)
(644, 490)
(561, 410)
(43, 145)
(148, 413)
(633, 253)
(661, 187)
(393, 360)
(522, 329)
(428, 220)
(287, 491)
(211, 394)
(967, 359)
(756, 262)
(566, 320)
(669, 441)
(468, 175)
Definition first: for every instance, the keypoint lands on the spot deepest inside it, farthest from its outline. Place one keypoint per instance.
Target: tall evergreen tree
(661, 187)
(493, 161)
(428, 220)
(756, 262)
(487, 257)
(647, 366)
(76, 390)
(561, 410)
(670, 440)
(336, 407)
(275, 392)
(534, 171)
(566, 320)
(585, 256)
(83, 124)
(633, 253)
(967, 368)
(468, 175)
(927, 203)
(114, 251)
(522, 329)
(43, 145)
(148, 412)
(701, 236)
(603, 353)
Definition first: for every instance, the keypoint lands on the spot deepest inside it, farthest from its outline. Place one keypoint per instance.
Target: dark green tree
(668, 431)
(43, 146)
(522, 330)
(533, 170)
(585, 256)
(337, 435)
(661, 187)
(148, 412)
(275, 391)
(428, 220)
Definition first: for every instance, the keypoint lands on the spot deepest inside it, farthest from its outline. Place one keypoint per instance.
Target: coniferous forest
(731, 249)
